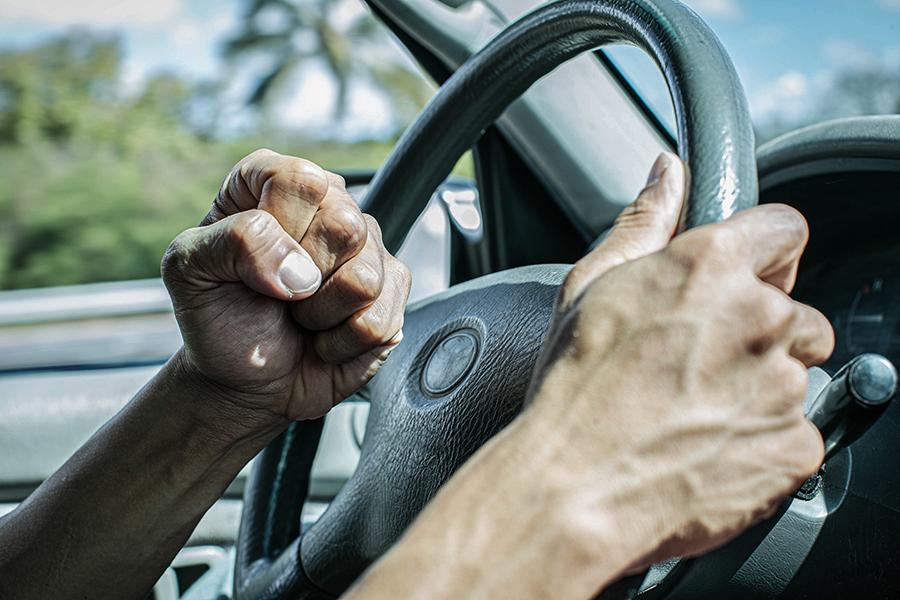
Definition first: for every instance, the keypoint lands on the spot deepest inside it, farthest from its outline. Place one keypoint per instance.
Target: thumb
(249, 247)
(645, 226)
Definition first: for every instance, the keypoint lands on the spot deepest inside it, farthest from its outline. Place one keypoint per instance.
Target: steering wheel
(463, 369)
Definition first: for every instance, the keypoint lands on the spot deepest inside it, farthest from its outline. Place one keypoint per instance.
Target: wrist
(221, 415)
(563, 528)
(609, 516)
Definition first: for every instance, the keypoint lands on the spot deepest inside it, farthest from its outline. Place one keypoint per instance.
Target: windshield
(801, 62)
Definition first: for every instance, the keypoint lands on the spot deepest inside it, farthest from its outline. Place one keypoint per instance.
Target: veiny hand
(285, 295)
(674, 379)
(664, 417)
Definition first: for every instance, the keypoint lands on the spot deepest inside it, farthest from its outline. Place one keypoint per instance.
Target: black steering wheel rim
(715, 140)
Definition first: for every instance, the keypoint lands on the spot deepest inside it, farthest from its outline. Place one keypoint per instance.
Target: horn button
(449, 362)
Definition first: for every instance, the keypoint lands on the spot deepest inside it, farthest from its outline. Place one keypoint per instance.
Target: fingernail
(663, 161)
(299, 274)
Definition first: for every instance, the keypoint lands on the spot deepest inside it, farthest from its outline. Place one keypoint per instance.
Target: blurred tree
(872, 90)
(84, 197)
(47, 91)
(97, 178)
(293, 33)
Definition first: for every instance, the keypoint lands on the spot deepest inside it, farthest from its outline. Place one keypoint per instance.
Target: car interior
(560, 142)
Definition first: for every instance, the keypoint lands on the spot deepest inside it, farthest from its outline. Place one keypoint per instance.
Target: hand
(285, 295)
(664, 417)
(673, 384)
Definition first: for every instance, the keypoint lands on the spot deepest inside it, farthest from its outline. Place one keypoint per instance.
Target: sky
(786, 51)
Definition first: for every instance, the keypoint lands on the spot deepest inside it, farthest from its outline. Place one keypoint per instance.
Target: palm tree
(293, 32)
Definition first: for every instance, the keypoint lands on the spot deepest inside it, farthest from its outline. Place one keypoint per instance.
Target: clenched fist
(285, 295)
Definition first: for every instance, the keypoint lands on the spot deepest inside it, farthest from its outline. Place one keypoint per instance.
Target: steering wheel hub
(449, 362)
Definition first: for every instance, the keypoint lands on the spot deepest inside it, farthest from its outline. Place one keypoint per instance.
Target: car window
(800, 62)
(119, 120)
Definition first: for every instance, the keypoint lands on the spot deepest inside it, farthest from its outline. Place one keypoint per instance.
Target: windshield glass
(801, 62)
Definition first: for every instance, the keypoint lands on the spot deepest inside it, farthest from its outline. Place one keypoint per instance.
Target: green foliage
(96, 183)
(45, 92)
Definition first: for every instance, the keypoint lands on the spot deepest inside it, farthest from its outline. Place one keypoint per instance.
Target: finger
(355, 285)
(289, 188)
(338, 231)
(812, 337)
(813, 452)
(249, 247)
(643, 227)
(372, 327)
(768, 313)
(356, 372)
(769, 238)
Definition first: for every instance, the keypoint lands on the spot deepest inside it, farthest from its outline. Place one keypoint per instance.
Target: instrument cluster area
(844, 177)
(851, 269)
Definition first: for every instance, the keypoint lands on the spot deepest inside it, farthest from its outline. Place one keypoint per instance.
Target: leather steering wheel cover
(715, 133)
(267, 553)
(716, 141)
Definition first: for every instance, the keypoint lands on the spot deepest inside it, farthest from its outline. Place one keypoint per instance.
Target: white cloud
(722, 9)
(310, 106)
(89, 12)
(846, 53)
(889, 4)
(787, 96)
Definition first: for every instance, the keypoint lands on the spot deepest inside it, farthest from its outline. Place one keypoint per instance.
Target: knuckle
(403, 271)
(337, 180)
(642, 214)
(371, 328)
(251, 230)
(258, 160)
(345, 229)
(300, 175)
(791, 378)
(771, 311)
(822, 330)
(363, 282)
(373, 227)
(714, 243)
(705, 248)
(260, 153)
(790, 220)
(400, 276)
(572, 282)
(290, 175)
(176, 259)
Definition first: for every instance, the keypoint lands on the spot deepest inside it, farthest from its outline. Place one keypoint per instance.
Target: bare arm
(287, 302)
(108, 522)
(670, 367)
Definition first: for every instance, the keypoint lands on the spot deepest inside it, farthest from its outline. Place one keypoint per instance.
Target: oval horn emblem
(450, 362)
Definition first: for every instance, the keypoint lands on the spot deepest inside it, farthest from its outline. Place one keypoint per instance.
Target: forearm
(510, 524)
(110, 520)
